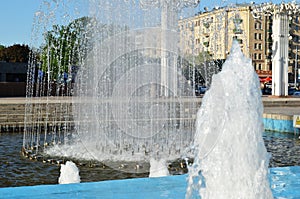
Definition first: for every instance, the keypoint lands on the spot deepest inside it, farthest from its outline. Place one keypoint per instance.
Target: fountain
(130, 100)
(230, 156)
(131, 103)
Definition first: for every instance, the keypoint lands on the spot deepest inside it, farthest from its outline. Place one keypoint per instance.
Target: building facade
(13, 76)
(212, 33)
(13, 71)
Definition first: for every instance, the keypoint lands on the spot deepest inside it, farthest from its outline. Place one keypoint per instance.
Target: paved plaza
(272, 105)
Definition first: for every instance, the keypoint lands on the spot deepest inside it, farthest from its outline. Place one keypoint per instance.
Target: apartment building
(212, 33)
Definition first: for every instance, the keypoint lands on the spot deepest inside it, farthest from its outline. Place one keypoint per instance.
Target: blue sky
(16, 18)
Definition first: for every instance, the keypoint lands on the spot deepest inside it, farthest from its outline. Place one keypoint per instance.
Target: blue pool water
(285, 183)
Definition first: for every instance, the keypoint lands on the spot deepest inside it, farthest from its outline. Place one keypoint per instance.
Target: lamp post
(281, 15)
(296, 66)
(169, 22)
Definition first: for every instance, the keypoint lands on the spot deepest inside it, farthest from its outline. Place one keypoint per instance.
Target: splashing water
(230, 157)
(158, 168)
(130, 99)
(69, 173)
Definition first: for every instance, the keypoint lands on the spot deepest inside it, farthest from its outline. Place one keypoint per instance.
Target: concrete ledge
(285, 126)
(278, 112)
(277, 116)
(279, 123)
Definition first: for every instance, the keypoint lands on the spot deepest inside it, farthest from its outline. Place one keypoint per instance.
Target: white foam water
(158, 168)
(230, 160)
(69, 173)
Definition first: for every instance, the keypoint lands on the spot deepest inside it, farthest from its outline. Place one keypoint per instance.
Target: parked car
(267, 91)
(296, 94)
(200, 90)
(291, 91)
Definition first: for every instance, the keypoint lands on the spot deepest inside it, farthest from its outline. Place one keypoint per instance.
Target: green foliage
(203, 57)
(68, 45)
(64, 46)
(193, 67)
(15, 53)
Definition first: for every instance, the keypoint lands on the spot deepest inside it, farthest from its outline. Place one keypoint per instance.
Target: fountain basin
(285, 183)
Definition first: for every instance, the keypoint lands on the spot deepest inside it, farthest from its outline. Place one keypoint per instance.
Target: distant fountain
(230, 156)
(130, 101)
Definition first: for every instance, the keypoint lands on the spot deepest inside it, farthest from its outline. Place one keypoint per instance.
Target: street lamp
(296, 67)
(169, 13)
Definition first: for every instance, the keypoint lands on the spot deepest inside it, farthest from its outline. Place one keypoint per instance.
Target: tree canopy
(65, 46)
(15, 53)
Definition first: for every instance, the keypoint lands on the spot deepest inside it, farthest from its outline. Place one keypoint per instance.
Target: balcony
(237, 21)
(237, 31)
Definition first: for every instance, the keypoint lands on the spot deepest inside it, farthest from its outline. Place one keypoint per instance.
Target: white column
(164, 64)
(280, 54)
(168, 50)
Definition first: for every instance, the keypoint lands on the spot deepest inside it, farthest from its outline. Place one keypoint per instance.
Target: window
(258, 26)
(255, 56)
(259, 56)
(255, 35)
(255, 46)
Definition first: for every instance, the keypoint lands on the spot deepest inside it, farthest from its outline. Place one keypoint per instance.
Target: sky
(17, 18)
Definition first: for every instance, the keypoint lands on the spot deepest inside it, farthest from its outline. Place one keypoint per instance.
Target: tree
(2, 53)
(203, 57)
(65, 46)
(15, 53)
(200, 69)
(69, 45)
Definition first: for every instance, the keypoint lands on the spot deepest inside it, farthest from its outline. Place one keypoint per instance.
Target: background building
(211, 33)
(13, 77)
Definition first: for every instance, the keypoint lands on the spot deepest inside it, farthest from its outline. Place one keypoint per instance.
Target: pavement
(272, 105)
(281, 106)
